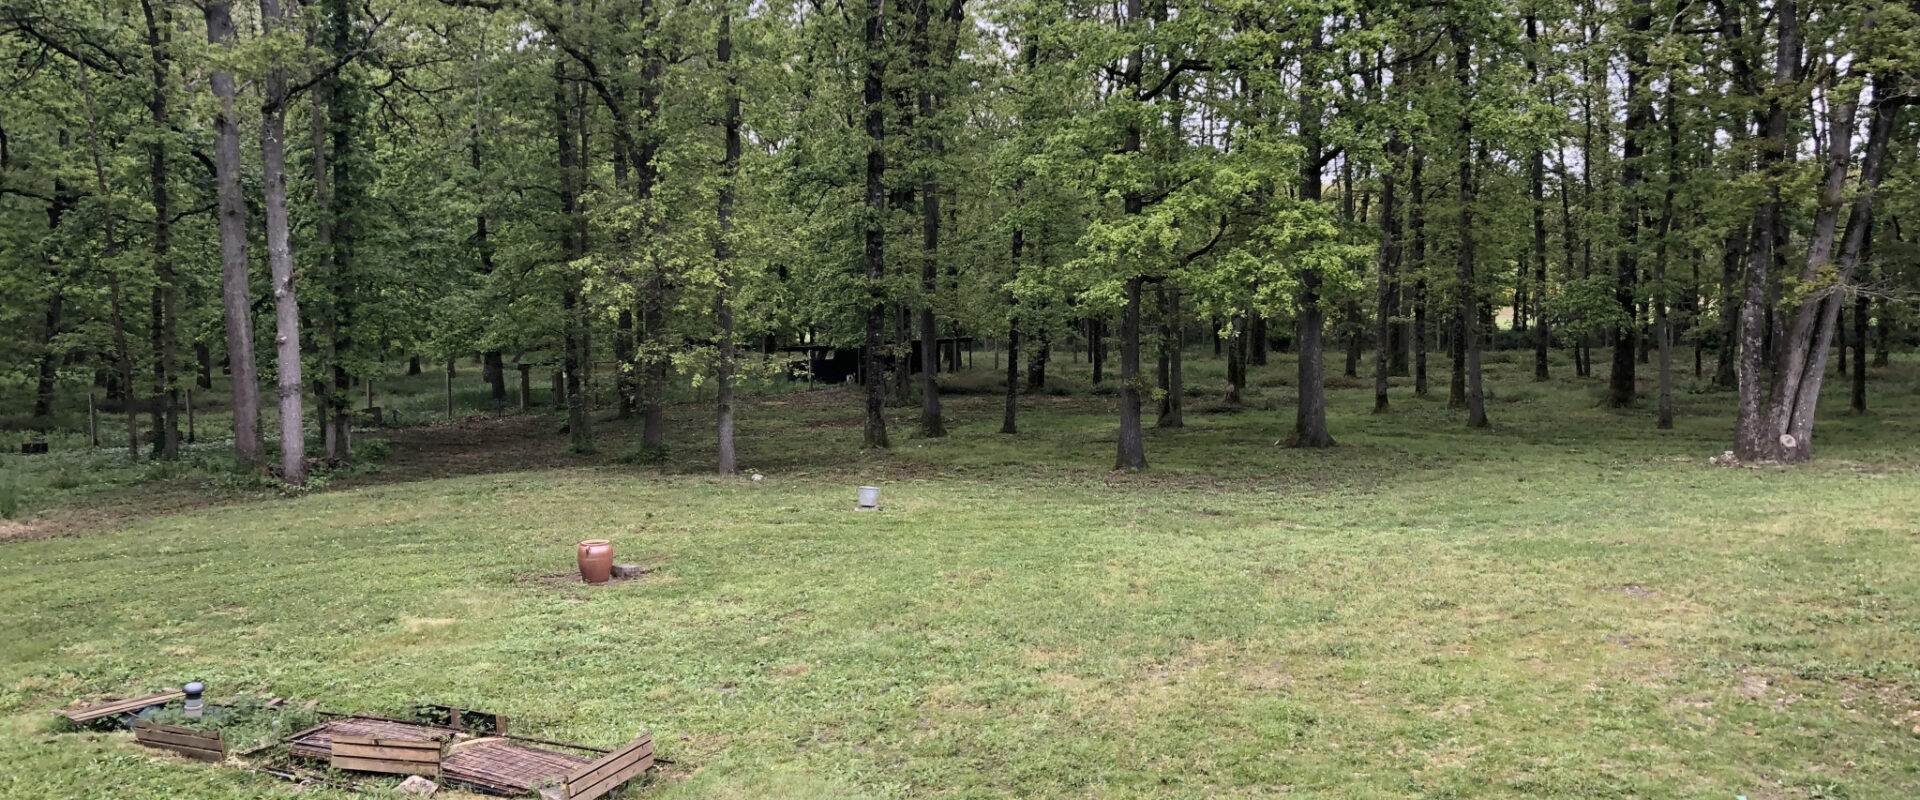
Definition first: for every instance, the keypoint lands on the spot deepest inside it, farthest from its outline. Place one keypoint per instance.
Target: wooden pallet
(317, 742)
(191, 743)
(114, 708)
(387, 756)
(616, 768)
(502, 765)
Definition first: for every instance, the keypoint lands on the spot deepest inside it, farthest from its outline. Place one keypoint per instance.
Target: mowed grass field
(1570, 605)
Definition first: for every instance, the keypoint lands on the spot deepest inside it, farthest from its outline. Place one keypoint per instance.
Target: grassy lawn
(1572, 604)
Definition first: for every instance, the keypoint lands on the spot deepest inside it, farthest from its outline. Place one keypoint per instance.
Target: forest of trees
(1724, 189)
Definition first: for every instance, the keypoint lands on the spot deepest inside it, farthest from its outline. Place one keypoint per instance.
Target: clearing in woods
(1572, 604)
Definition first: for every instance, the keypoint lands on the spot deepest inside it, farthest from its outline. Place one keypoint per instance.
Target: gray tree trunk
(286, 305)
(235, 286)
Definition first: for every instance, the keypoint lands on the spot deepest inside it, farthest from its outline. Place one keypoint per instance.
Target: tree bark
(1417, 261)
(1753, 437)
(236, 293)
(1859, 398)
(49, 356)
(1310, 412)
(166, 295)
(1007, 421)
(723, 251)
(1388, 290)
(1173, 412)
(1810, 338)
(926, 100)
(1621, 389)
(1662, 325)
(1237, 357)
(873, 98)
(286, 304)
(568, 113)
(1133, 446)
(1468, 332)
(1536, 186)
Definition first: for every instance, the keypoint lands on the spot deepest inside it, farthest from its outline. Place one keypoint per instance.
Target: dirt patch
(572, 578)
(110, 510)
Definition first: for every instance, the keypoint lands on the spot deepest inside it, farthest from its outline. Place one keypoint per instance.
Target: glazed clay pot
(596, 560)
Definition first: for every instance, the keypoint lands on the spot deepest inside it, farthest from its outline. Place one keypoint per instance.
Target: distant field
(1571, 605)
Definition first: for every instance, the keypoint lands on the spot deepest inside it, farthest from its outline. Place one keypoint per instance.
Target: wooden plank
(189, 750)
(375, 741)
(386, 767)
(91, 713)
(200, 741)
(142, 726)
(608, 773)
(387, 753)
(196, 744)
(390, 756)
(387, 749)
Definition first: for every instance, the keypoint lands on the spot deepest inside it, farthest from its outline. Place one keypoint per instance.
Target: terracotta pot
(596, 560)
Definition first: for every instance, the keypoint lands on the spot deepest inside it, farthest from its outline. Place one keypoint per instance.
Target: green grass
(1570, 605)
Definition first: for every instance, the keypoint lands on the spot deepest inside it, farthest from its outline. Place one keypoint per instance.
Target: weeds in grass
(644, 456)
(244, 723)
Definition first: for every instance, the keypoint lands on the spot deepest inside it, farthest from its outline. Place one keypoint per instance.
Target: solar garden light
(195, 704)
(869, 498)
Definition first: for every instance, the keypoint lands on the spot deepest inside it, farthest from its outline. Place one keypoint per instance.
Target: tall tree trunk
(1662, 325)
(1388, 289)
(1310, 412)
(1883, 329)
(1173, 412)
(1417, 262)
(236, 295)
(1237, 357)
(1042, 349)
(723, 251)
(1133, 446)
(1007, 421)
(1468, 331)
(123, 356)
(569, 137)
(1620, 382)
(873, 98)
(1732, 256)
(166, 295)
(333, 123)
(1256, 342)
(286, 305)
(49, 354)
(1536, 188)
(494, 366)
(1802, 370)
(1753, 437)
(931, 424)
(1859, 398)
